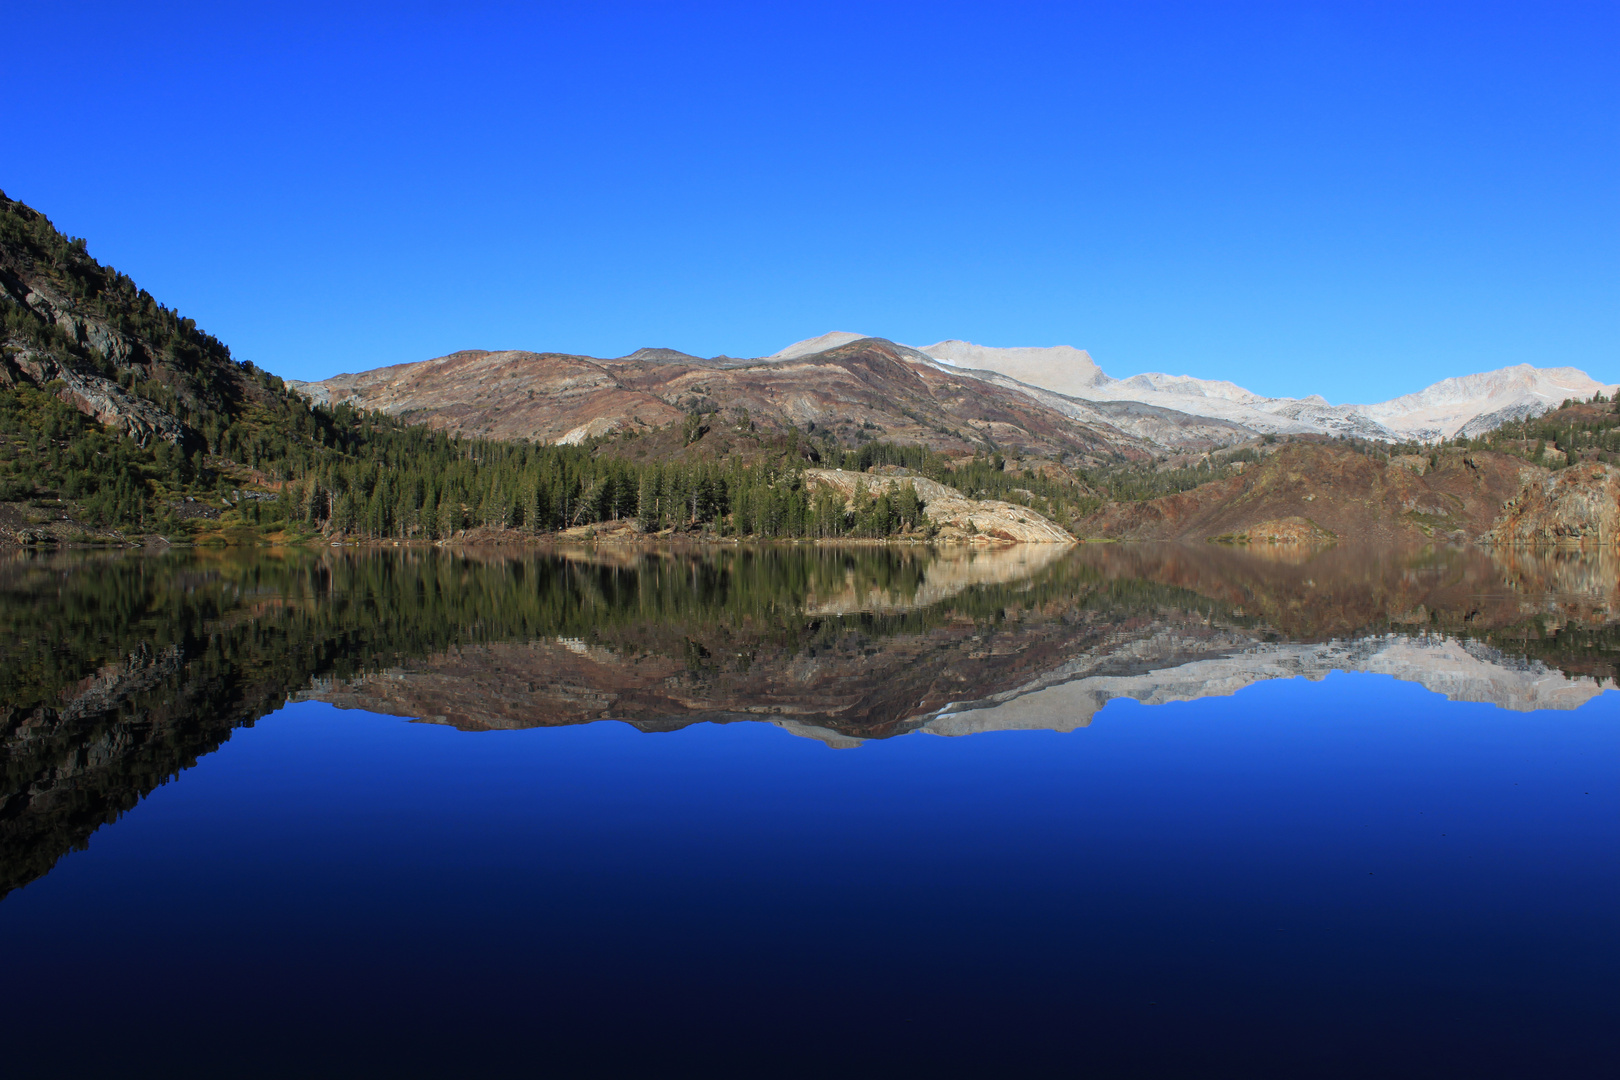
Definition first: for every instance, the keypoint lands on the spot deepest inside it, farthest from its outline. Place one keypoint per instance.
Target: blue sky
(1350, 199)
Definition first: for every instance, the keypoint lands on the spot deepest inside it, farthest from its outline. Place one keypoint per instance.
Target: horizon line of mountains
(1167, 411)
(1459, 405)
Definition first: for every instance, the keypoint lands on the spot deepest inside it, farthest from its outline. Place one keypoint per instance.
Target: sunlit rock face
(955, 517)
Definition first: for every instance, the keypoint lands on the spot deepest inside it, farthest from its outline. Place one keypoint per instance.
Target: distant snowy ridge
(1465, 405)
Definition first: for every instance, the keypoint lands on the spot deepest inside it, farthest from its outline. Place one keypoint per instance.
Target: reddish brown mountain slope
(871, 387)
(1350, 495)
(502, 395)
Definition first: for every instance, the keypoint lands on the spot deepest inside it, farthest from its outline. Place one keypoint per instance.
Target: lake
(1108, 810)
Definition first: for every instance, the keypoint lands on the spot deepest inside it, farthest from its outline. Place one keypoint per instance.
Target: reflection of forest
(117, 671)
(1558, 606)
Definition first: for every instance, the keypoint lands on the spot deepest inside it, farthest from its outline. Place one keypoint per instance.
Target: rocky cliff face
(1579, 505)
(950, 571)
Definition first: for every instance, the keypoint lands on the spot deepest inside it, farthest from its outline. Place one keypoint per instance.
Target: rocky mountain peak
(661, 354)
(1465, 405)
(1061, 368)
(811, 346)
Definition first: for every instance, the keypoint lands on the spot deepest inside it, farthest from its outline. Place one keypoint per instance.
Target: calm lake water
(1112, 810)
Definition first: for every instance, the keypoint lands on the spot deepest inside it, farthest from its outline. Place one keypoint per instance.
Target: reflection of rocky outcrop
(1462, 671)
(947, 572)
(1551, 572)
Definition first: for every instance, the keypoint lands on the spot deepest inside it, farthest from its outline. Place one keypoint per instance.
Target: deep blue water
(1353, 877)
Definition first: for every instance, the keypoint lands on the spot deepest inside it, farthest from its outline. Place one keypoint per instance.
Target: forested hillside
(120, 419)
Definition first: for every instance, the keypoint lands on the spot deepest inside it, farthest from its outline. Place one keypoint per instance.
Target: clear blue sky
(1353, 199)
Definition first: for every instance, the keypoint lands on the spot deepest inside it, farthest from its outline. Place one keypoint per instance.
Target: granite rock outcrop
(954, 515)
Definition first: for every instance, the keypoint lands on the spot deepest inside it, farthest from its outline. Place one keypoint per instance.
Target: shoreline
(481, 539)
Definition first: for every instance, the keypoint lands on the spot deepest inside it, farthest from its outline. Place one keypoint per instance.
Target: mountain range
(1466, 405)
(950, 395)
(861, 390)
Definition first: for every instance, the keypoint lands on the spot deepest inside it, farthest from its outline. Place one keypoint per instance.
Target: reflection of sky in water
(1346, 877)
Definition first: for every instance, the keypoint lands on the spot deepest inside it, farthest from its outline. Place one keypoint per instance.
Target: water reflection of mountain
(1460, 670)
(116, 672)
